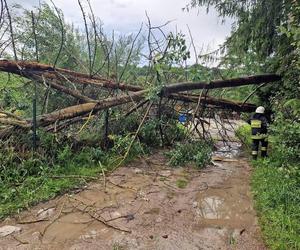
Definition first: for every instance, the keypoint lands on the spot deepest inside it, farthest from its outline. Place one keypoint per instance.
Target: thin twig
(135, 136)
(62, 34)
(130, 52)
(11, 31)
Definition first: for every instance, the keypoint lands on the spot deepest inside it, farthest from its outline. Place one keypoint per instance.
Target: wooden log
(14, 122)
(82, 109)
(228, 83)
(24, 68)
(27, 69)
(215, 102)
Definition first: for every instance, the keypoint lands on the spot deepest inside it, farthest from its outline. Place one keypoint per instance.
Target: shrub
(149, 133)
(286, 141)
(197, 152)
(172, 132)
(244, 134)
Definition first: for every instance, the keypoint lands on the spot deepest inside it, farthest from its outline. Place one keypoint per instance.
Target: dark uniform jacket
(259, 125)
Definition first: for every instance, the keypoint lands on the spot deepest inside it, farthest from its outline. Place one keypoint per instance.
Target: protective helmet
(260, 110)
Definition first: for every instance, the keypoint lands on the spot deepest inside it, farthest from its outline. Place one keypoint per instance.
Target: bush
(172, 132)
(286, 141)
(149, 133)
(197, 152)
(244, 134)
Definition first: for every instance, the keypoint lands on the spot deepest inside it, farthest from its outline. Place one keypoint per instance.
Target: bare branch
(62, 34)
(11, 31)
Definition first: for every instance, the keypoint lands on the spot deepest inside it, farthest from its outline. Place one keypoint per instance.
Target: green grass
(181, 183)
(47, 185)
(277, 200)
(25, 182)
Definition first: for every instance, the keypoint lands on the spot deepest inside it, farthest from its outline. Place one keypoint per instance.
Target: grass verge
(29, 181)
(277, 201)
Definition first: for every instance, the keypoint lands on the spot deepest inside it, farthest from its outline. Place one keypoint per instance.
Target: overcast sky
(126, 16)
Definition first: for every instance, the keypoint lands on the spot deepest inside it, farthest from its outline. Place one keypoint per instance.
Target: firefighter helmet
(260, 110)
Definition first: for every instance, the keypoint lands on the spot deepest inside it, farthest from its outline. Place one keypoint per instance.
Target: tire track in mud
(141, 207)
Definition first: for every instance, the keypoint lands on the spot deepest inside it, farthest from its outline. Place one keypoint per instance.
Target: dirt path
(144, 208)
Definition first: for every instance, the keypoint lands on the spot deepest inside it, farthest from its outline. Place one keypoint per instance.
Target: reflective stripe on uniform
(256, 137)
(263, 148)
(255, 123)
(254, 153)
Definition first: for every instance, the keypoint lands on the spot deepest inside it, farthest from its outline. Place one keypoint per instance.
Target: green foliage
(286, 139)
(244, 134)
(181, 183)
(172, 131)
(277, 196)
(122, 143)
(49, 35)
(197, 152)
(149, 133)
(26, 178)
(14, 98)
(177, 49)
(123, 125)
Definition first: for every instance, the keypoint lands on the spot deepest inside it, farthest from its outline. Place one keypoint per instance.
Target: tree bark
(82, 109)
(24, 68)
(28, 69)
(229, 83)
(215, 102)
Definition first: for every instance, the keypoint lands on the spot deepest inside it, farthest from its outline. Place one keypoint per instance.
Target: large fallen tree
(29, 69)
(57, 77)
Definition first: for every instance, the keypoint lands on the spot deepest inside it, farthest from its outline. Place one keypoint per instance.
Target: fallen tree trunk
(62, 88)
(32, 68)
(14, 122)
(218, 103)
(25, 68)
(54, 77)
(234, 82)
(82, 109)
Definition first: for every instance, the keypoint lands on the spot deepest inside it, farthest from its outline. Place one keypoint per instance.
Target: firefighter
(259, 130)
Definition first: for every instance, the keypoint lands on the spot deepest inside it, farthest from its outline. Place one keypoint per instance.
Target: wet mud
(141, 206)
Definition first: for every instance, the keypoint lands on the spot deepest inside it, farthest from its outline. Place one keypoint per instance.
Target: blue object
(182, 118)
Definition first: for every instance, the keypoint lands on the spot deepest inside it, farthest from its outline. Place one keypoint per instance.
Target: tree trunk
(82, 109)
(229, 83)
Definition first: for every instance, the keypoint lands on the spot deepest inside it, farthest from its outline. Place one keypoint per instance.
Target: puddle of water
(228, 150)
(211, 208)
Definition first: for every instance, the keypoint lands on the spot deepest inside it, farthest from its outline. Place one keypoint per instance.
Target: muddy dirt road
(148, 205)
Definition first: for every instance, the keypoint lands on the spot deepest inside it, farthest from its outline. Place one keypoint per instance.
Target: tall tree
(265, 37)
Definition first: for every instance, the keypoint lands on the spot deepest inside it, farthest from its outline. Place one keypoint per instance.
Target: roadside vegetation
(194, 152)
(61, 164)
(265, 38)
